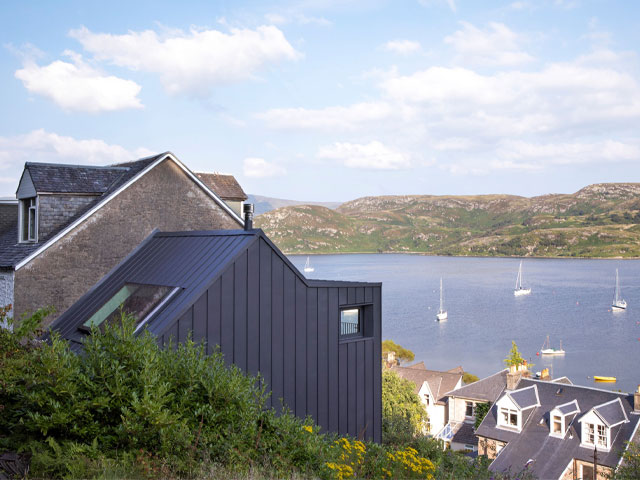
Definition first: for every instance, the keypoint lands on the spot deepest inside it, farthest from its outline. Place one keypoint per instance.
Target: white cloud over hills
(373, 155)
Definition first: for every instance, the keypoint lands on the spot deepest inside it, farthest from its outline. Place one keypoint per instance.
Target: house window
(509, 417)
(29, 220)
(470, 409)
(557, 425)
(586, 472)
(590, 433)
(602, 436)
(138, 300)
(426, 399)
(350, 322)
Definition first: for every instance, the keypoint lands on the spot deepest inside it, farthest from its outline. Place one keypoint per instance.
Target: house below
(557, 430)
(316, 343)
(431, 386)
(70, 224)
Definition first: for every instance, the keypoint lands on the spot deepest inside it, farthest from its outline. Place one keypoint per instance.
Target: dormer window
(597, 424)
(28, 219)
(556, 425)
(508, 417)
(560, 418)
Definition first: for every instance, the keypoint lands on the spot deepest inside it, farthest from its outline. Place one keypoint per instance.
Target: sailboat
(308, 267)
(441, 316)
(547, 350)
(618, 302)
(520, 290)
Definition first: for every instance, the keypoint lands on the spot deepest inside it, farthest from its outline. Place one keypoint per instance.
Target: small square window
(470, 409)
(350, 322)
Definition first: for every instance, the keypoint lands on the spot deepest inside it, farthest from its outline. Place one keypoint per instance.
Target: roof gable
(610, 413)
(226, 186)
(486, 389)
(18, 255)
(26, 189)
(567, 408)
(525, 398)
(83, 179)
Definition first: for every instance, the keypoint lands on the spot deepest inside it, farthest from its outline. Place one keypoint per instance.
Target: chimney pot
(513, 379)
(248, 216)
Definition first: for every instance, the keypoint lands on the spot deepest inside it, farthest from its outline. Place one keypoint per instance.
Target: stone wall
(489, 447)
(56, 210)
(575, 471)
(164, 198)
(6, 288)
(8, 216)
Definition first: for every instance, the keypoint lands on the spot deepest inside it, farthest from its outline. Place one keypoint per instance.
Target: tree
(630, 466)
(468, 378)
(514, 359)
(403, 414)
(402, 354)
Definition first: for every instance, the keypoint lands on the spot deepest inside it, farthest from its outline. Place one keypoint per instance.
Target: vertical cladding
(164, 198)
(301, 348)
(240, 313)
(377, 365)
(253, 308)
(54, 211)
(323, 357)
(312, 353)
(289, 347)
(265, 315)
(333, 363)
(277, 333)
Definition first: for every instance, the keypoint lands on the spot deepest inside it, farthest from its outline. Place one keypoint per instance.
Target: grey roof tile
(225, 186)
(552, 454)
(612, 412)
(60, 178)
(439, 382)
(525, 397)
(486, 389)
(465, 435)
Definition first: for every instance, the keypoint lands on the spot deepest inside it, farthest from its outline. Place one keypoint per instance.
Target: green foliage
(402, 354)
(468, 378)
(629, 469)
(403, 414)
(481, 411)
(514, 358)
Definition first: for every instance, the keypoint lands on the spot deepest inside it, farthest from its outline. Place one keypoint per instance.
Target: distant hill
(601, 220)
(265, 204)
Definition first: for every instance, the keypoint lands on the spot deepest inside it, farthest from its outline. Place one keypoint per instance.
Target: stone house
(74, 223)
(227, 188)
(431, 386)
(557, 430)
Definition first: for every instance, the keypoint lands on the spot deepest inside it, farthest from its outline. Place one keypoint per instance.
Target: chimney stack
(513, 377)
(248, 216)
(636, 400)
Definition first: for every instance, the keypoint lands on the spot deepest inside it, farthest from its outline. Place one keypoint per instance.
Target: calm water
(570, 302)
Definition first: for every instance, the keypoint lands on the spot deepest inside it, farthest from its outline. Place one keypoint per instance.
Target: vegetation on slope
(598, 221)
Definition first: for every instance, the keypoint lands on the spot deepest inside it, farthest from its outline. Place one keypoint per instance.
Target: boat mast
(441, 297)
(617, 295)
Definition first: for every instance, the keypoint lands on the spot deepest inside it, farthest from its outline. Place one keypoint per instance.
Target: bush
(403, 414)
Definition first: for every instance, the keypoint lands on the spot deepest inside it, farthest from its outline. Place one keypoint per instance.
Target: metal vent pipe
(248, 216)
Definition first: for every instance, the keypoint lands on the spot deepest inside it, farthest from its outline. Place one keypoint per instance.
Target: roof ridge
(573, 385)
(73, 165)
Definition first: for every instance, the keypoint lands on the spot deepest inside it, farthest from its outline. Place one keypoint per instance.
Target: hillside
(601, 220)
(263, 204)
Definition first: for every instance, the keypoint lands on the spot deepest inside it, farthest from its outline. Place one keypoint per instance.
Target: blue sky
(330, 100)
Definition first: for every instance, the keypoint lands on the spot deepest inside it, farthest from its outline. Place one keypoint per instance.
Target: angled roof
(569, 407)
(15, 255)
(612, 413)
(486, 389)
(189, 261)
(60, 178)
(465, 434)
(526, 397)
(552, 454)
(439, 382)
(419, 365)
(226, 186)
(564, 380)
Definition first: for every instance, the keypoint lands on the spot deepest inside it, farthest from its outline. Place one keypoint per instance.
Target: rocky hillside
(601, 220)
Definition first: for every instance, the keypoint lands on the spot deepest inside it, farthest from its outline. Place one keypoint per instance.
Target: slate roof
(570, 407)
(485, 390)
(439, 382)
(465, 435)
(191, 261)
(419, 365)
(612, 412)
(525, 397)
(59, 178)
(551, 454)
(226, 186)
(12, 252)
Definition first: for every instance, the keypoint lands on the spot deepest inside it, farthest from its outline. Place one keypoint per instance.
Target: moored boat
(520, 290)
(441, 316)
(308, 267)
(547, 350)
(618, 303)
(599, 378)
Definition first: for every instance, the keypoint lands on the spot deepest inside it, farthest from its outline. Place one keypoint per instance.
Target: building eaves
(486, 389)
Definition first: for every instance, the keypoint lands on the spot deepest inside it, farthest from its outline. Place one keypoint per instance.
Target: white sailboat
(441, 316)
(308, 267)
(618, 302)
(547, 350)
(520, 290)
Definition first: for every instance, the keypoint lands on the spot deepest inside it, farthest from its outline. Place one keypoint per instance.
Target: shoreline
(536, 257)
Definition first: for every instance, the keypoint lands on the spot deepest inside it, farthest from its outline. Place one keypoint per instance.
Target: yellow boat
(598, 378)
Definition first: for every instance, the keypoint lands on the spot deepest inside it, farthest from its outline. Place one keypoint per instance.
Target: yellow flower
(308, 428)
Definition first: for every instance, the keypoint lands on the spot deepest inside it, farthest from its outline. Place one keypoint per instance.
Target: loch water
(570, 301)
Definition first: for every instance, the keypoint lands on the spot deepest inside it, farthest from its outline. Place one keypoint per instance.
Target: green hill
(601, 220)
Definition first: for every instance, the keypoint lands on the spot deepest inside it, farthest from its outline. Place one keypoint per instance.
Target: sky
(330, 100)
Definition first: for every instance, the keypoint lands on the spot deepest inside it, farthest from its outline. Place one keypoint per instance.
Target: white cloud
(330, 118)
(402, 47)
(42, 146)
(296, 17)
(193, 62)
(260, 168)
(450, 3)
(373, 155)
(79, 87)
(496, 46)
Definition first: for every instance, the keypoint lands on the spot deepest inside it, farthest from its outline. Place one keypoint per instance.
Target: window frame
(468, 404)
(28, 233)
(510, 413)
